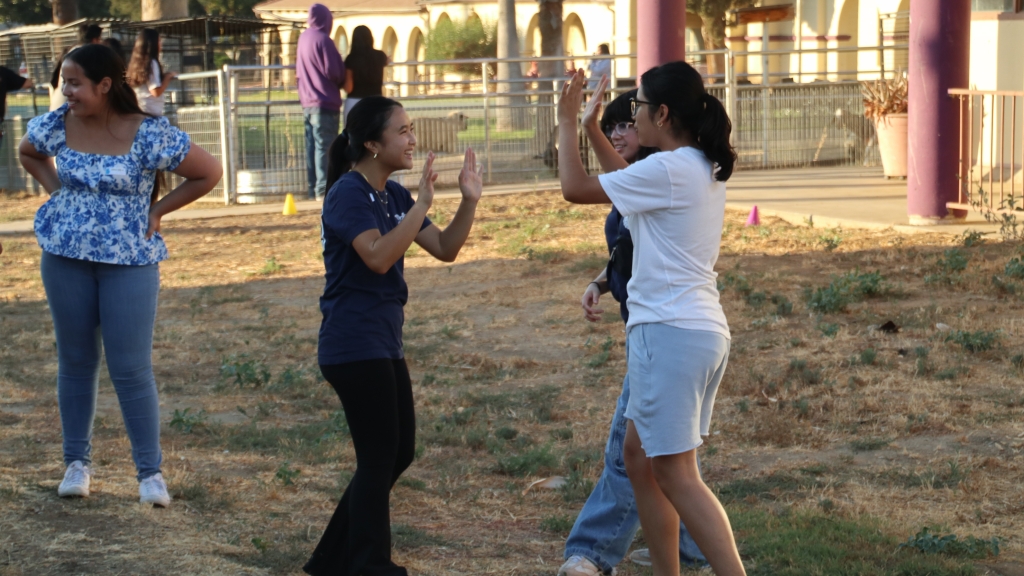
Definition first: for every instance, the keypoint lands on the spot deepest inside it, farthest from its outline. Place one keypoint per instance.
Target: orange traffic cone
(289, 206)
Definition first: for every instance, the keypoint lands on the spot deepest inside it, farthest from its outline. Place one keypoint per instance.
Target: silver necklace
(382, 196)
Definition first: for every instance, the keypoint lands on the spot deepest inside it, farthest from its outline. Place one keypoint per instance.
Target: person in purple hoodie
(320, 74)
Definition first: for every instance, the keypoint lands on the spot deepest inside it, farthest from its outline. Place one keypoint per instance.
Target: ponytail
(692, 110)
(713, 132)
(366, 123)
(337, 159)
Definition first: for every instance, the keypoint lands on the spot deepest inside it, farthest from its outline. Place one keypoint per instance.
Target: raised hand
(426, 189)
(572, 97)
(592, 113)
(471, 182)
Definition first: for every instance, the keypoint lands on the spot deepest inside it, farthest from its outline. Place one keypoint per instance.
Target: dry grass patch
(824, 425)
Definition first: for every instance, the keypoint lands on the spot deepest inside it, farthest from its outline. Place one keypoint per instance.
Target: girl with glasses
(677, 334)
(607, 524)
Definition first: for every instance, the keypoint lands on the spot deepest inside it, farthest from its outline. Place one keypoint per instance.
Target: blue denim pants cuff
(590, 555)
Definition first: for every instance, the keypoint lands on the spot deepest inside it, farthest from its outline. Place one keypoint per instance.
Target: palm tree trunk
(65, 11)
(511, 111)
(163, 9)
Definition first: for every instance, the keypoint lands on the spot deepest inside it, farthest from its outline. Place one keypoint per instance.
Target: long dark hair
(147, 49)
(618, 110)
(99, 61)
(366, 123)
(362, 41)
(691, 109)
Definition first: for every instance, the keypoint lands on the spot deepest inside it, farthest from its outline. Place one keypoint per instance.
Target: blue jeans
(90, 303)
(321, 129)
(605, 528)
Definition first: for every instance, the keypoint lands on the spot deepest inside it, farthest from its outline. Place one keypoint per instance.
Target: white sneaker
(153, 490)
(76, 480)
(578, 566)
(641, 557)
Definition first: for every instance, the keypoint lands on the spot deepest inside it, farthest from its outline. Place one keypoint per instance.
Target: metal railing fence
(991, 165)
(241, 115)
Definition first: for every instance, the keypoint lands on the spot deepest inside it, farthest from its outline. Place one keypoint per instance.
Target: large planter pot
(892, 144)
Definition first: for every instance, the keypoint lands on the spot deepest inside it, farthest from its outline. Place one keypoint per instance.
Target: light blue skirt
(674, 376)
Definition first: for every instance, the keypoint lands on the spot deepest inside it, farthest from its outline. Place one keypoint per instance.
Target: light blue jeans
(321, 129)
(606, 526)
(93, 303)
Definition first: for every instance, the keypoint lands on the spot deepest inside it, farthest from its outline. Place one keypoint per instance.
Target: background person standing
(364, 69)
(10, 81)
(320, 74)
(87, 34)
(598, 68)
(146, 75)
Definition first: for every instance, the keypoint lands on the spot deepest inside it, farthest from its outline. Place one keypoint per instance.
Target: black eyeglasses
(621, 128)
(634, 103)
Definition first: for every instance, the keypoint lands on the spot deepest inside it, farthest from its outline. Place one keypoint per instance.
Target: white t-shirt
(151, 104)
(674, 209)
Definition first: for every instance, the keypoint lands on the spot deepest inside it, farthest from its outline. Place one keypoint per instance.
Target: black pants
(377, 398)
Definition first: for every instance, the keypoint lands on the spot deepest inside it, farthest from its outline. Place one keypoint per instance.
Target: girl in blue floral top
(100, 235)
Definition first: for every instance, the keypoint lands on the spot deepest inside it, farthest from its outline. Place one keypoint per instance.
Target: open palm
(471, 183)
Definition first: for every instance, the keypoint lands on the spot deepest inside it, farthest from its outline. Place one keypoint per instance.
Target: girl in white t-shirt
(145, 74)
(677, 340)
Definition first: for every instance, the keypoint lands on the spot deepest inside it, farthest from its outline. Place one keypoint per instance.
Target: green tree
(241, 8)
(25, 12)
(459, 40)
(41, 12)
(713, 12)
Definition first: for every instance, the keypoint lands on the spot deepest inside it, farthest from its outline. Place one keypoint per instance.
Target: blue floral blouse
(101, 212)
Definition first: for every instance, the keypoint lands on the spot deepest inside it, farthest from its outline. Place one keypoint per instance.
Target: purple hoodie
(318, 66)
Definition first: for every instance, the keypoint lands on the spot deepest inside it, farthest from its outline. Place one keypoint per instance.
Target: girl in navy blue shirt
(368, 223)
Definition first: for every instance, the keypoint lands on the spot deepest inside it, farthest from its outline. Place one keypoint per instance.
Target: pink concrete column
(939, 59)
(660, 33)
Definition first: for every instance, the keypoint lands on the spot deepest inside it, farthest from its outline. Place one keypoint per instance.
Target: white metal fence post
(487, 119)
(232, 94)
(225, 156)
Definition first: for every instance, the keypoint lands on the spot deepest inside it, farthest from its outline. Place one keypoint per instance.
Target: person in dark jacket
(320, 73)
(364, 69)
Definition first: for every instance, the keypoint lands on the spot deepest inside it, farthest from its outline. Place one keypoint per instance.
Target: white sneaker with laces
(153, 490)
(76, 480)
(641, 557)
(579, 566)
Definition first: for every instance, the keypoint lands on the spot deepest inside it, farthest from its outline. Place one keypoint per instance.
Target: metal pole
(799, 41)
(730, 87)
(225, 156)
(765, 81)
(881, 49)
(487, 119)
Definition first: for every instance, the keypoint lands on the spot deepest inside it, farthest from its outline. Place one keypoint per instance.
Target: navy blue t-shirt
(362, 310)
(615, 228)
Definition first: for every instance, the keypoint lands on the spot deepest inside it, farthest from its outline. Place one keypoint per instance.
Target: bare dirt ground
(825, 426)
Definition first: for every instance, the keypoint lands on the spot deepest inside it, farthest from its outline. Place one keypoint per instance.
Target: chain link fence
(255, 127)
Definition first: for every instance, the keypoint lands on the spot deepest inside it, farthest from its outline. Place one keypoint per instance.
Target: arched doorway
(389, 44)
(417, 53)
(531, 42)
(574, 39)
(341, 41)
(844, 65)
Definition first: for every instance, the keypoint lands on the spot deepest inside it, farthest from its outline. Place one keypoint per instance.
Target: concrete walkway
(848, 197)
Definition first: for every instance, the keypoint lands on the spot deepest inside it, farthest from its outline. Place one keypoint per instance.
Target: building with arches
(400, 28)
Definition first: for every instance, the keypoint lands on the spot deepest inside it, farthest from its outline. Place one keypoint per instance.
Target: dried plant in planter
(883, 97)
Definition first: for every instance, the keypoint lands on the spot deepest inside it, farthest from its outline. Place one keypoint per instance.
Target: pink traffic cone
(754, 219)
